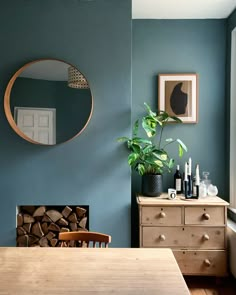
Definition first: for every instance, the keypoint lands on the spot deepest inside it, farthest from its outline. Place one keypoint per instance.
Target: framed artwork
(178, 96)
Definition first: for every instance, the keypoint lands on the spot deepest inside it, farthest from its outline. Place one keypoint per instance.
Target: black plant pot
(152, 185)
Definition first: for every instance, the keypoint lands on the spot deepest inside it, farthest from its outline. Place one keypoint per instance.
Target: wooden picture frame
(178, 96)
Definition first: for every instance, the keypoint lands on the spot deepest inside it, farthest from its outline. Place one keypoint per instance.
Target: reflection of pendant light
(76, 79)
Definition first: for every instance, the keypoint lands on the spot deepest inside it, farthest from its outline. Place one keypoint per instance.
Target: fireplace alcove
(39, 226)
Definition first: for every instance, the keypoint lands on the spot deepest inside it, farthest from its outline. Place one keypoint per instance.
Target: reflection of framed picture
(178, 96)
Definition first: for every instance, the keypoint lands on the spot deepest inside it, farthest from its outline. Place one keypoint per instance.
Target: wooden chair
(84, 238)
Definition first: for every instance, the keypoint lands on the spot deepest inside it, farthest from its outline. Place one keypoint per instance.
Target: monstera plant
(148, 155)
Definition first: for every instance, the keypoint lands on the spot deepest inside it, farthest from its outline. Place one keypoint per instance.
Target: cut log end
(39, 226)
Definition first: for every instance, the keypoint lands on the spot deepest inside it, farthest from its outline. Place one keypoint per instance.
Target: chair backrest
(86, 237)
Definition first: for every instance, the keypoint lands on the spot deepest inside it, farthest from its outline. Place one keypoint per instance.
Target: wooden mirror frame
(7, 107)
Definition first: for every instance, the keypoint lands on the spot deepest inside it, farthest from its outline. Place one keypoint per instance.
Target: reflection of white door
(38, 124)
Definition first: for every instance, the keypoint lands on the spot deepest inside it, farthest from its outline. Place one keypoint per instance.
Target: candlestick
(186, 172)
(186, 188)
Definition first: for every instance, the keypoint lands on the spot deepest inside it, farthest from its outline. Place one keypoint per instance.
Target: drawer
(204, 215)
(202, 262)
(162, 236)
(161, 215)
(184, 237)
(203, 237)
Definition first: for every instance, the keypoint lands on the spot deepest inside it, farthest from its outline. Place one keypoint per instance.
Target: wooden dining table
(57, 271)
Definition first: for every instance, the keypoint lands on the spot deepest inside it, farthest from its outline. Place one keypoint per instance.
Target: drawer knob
(162, 214)
(206, 237)
(207, 262)
(206, 216)
(162, 237)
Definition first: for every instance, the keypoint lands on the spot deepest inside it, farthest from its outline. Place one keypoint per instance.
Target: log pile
(39, 226)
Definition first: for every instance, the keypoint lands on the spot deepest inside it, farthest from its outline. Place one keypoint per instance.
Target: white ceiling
(51, 70)
(182, 9)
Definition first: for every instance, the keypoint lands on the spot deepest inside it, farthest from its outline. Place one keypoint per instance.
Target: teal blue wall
(184, 46)
(92, 169)
(94, 36)
(73, 106)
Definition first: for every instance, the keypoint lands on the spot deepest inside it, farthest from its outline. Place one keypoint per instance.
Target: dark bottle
(178, 181)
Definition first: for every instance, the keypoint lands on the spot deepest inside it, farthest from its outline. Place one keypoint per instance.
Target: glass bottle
(178, 181)
(206, 180)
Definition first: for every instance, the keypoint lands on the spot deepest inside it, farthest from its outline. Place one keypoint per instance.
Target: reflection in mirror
(48, 102)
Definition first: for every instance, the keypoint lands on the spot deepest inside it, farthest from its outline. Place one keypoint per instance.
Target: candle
(189, 166)
(186, 172)
(197, 176)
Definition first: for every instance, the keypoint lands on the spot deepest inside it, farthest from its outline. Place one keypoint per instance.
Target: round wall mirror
(48, 102)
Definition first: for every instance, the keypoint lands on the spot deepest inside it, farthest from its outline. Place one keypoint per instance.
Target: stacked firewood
(40, 226)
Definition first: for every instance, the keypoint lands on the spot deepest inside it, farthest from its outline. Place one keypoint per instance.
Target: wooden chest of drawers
(195, 230)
